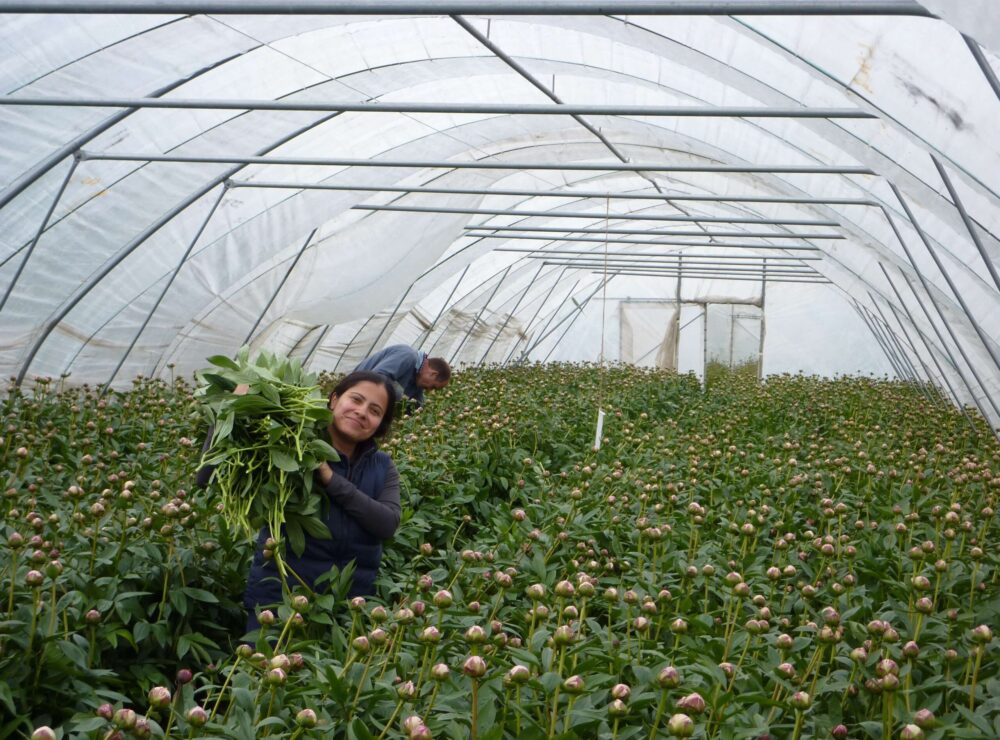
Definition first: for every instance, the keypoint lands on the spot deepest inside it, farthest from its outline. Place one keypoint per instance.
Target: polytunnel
(804, 186)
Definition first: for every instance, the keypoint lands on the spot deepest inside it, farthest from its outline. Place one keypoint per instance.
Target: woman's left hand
(324, 473)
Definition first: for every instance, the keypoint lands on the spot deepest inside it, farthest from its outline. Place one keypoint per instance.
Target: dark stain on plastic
(951, 113)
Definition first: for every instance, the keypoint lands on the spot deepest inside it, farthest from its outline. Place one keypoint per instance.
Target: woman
(362, 489)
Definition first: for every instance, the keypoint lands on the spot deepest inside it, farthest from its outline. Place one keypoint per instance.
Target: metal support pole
(471, 7)
(958, 295)
(511, 313)
(391, 317)
(931, 384)
(651, 243)
(652, 232)
(971, 227)
(944, 322)
(777, 169)
(636, 216)
(760, 341)
(478, 315)
(281, 284)
(41, 229)
(444, 306)
(315, 345)
(703, 266)
(348, 345)
(667, 272)
(520, 109)
(71, 147)
(530, 345)
(59, 314)
(984, 65)
(575, 194)
(861, 312)
(923, 339)
(675, 253)
(902, 353)
(163, 293)
(576, 315)
(527, 326)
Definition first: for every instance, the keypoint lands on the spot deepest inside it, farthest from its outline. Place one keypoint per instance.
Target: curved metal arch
(319, 83)
(70, 303)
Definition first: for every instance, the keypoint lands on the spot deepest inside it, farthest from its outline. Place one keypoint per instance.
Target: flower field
(805, 558)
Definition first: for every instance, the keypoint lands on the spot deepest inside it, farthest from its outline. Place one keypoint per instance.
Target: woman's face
(359, 410)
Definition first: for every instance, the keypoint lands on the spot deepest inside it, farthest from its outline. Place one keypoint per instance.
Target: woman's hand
(324, 473)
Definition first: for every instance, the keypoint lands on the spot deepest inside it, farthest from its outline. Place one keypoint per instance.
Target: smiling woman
(362, 489)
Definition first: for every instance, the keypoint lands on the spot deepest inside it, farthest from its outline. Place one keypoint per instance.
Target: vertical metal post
(444, 306)
(41, 229)
(576, 315)
(535, 315)
(947, 277)
(542, 334)
(277, 290)
(170, 281)
(944, 322)
(478, 315)
(677, 313)
(511, 313)
(923, 339)
(971, 227)
(760, 343)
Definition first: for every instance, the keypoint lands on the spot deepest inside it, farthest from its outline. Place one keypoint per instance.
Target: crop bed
(803, 558)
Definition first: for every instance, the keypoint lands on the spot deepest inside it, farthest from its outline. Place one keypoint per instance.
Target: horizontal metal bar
(710, 267)
(657, 243)
(484, 165)
(530, 109)
(775, 279)
(684, 255)
(470, 7)
(548, 193)
(654, 232)
(594, 215)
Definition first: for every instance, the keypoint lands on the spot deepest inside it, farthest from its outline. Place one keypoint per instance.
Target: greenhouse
(718, 282)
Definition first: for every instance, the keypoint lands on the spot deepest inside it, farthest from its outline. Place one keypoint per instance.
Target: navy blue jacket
(371, 472)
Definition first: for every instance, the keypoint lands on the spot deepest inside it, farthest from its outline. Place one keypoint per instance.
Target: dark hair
(440, 366)
(360, 376)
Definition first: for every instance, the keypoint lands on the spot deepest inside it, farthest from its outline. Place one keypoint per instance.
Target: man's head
(434, 373)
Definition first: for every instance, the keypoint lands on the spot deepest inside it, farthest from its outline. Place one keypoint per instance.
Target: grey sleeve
(378, 516)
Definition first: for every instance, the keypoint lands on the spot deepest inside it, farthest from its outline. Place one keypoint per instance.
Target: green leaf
(223, 361)
(313, 526)
(283, 461)
(199, 594)
(296, 537)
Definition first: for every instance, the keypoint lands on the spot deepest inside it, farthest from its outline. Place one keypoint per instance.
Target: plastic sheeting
(151, 266)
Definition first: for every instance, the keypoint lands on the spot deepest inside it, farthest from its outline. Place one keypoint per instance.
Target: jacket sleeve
(378, 516)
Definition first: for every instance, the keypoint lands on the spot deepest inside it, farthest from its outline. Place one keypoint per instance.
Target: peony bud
(306, 718)
(474, 667)
(680, 725)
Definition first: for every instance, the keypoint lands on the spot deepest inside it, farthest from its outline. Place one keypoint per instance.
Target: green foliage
(713, 533)
(265, 445)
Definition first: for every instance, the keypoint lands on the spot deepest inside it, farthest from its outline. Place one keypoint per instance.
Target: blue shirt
(400, 363)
